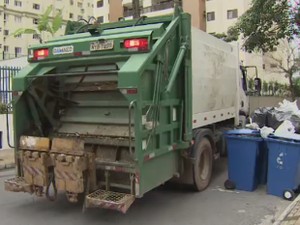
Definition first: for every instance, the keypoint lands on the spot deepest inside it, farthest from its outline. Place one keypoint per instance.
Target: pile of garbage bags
(283, 121)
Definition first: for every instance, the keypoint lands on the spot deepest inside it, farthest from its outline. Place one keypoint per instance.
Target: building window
(0, 45)
(82, 11)
(100, 4)
(18, 36)
(18, 19)
(0, 29)
(5, 17)
(35, 21)
(35, 36)
(273, 65)
(6, 49)
(232, 14)
(89, 4)
(100, 19)
(6, 32)
(36, 6)
(71, 15)
(18, 3)
(6, 1)
(18, 51)
(79, 17)
(71, 2)
(79, 4)
(210, 16)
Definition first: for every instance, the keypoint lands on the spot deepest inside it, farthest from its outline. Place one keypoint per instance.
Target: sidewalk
(7, 159)
(291, 215)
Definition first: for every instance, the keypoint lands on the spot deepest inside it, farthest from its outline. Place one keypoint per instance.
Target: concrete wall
(265, 101)
(3, 130)
(17, 62)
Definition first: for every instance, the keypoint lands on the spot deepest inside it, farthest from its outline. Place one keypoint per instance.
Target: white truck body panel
(216, 80)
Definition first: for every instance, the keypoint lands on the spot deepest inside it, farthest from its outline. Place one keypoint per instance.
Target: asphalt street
(163, 206)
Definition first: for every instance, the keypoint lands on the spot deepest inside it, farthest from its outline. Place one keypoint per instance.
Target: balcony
(152, 8)
(158, 7)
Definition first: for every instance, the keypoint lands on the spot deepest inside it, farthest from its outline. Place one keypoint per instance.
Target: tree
(136, 8)
(285, 61)
(45, 24)
(267, 22)
(266, 25)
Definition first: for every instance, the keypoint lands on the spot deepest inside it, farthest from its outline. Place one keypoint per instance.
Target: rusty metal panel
(107, 153)
(69, 172)
(96, 129)
(73, 146)
(36, 168)
(35, 143)
(17, 184)
(110, 200)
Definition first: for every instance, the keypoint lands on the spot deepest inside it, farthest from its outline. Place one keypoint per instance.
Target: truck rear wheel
(202, 168)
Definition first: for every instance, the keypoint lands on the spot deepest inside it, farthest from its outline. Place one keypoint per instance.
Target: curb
(286, 211)
(7, 166)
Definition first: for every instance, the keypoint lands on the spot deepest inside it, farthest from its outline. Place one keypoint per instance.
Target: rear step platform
(110, 200)
(17, 184)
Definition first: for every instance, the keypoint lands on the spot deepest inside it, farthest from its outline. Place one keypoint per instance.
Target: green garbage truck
(121, 108)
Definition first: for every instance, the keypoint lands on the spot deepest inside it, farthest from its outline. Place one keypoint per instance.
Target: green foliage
(3, 108)
(45, 24)
(251, 84)
(74, 27)
(231, 35)
(266, 22)
(265, 86)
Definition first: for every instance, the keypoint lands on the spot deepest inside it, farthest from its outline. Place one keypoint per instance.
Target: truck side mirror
(257, 85)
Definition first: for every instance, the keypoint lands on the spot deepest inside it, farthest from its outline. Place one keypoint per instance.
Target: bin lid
(290, 137)
(243, 132)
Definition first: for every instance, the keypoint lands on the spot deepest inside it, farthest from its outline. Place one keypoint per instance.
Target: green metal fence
(6, 76)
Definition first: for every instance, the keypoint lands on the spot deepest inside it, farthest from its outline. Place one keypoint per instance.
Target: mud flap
(109, 200)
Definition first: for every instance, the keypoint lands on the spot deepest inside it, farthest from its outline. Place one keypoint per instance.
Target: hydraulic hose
(51, 181)
(7, 130)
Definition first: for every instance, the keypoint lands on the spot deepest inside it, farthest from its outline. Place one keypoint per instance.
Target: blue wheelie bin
(283, 167)
(247, 160)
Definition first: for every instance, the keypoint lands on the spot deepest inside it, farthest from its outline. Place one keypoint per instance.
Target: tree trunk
(292, 89)
(136, 8)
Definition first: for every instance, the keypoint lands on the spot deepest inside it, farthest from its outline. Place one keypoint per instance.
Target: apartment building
(112, 10)
(17, 14)
(220, 15)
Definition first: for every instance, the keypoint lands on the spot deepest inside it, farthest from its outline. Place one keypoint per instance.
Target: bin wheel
(229, 185)
(289, 195)
(202, 168)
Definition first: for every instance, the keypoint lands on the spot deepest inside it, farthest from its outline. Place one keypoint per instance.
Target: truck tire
(202, 168)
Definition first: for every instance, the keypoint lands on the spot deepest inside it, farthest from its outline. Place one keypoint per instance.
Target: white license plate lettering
(102, 45)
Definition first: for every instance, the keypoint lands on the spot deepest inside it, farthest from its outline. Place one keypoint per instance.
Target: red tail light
(139, 44)
(40, 54)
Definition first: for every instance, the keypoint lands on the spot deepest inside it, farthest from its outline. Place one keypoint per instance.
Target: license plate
(102, 45)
